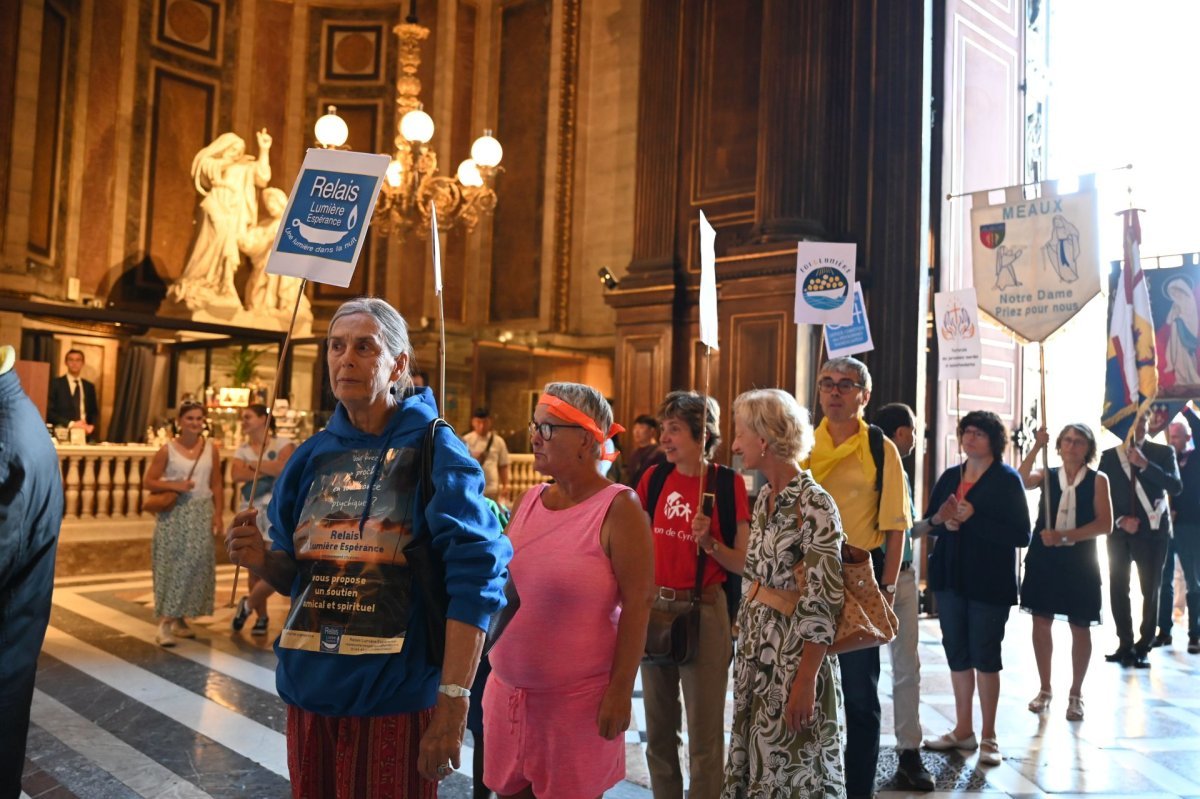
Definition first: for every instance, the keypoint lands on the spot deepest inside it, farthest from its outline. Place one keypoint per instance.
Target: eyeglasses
(843, 386)
(546, 430)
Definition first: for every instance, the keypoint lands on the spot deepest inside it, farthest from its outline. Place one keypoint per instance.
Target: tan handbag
(866, 619)
(163, 501)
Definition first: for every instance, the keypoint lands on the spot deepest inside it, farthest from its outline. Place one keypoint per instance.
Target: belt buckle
(662, 594)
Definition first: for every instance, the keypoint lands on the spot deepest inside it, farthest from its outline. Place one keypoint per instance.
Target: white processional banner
(824, 283)
(327, 216)
(956, 317)
(1036, 261)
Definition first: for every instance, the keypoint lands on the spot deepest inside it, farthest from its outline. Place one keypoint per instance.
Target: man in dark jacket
(1140, 476)
(72, 399)
(31, 506)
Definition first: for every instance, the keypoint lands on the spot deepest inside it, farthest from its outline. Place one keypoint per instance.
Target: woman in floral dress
(787, 689)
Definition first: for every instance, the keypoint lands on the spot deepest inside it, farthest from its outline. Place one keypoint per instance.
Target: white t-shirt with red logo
(671, 522)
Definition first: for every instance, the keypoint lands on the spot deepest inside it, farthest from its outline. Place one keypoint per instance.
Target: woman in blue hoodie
(369, 714)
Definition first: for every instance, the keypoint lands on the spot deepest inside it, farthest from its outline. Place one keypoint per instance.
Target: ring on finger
(444, 769)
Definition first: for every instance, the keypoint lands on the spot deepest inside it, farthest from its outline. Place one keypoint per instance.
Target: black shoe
(911, 774)
(260, 625)
(1120, 656)
(1139, 660)
(1194, 646)
(242, 613)
(1162, 639)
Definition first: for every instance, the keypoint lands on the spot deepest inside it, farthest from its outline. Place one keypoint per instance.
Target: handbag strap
(196, 462)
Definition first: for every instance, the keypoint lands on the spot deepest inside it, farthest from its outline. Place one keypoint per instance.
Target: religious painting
(1175, 308)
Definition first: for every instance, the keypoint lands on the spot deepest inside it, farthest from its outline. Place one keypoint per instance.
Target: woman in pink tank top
(559, 698)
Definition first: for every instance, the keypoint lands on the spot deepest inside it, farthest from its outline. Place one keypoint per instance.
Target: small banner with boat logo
(1036, 261)
(825, 283)
(327, 216)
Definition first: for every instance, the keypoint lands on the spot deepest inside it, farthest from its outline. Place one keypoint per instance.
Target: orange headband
(565, 410)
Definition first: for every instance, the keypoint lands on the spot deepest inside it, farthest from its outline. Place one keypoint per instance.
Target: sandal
(182, 630)
(1075, 708)
(1040, 702)
(944, 743)
(989, 752)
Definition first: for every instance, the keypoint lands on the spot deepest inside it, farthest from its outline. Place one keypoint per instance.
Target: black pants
(1148, 551)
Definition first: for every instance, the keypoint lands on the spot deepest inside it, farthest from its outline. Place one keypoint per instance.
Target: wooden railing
(103, 488)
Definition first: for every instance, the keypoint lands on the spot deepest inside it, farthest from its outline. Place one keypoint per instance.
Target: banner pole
(287, 340)
(816, 391)
(958, 413)
(704, 430)
(1046, 426)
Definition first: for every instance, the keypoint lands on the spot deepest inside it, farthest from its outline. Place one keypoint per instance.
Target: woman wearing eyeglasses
(561, 691)
(979, 521)
(688, 541)
(1062, 570)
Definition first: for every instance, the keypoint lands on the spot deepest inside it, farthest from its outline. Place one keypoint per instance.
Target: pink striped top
(565, 633)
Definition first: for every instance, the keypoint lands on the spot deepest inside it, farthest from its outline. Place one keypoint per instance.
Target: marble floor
(115, 716)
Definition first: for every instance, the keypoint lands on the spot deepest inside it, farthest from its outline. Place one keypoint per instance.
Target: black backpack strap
(726, 504)
(727, 519)
(658, 478)
(875, 442)
(427, 447)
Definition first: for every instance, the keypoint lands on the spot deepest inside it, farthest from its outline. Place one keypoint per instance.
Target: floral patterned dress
(766, 759)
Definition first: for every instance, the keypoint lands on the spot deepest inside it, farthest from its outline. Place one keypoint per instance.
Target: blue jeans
(1185, 545)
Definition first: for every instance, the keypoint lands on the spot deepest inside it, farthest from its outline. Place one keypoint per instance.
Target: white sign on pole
(853, 338)
(708, 283)
(1036, 261)
(956, 319)
(824, 279)
(328, 212)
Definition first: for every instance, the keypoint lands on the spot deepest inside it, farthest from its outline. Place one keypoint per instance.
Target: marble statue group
(229, 182)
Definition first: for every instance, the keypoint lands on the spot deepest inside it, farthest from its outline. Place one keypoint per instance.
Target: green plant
(243, 363)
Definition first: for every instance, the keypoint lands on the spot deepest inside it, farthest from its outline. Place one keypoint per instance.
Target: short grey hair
(588, 401)
(392, 328)
(776, 417)
(847, 363)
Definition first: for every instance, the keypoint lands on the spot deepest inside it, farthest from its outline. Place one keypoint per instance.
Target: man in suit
(1141, 476)
(72, 400)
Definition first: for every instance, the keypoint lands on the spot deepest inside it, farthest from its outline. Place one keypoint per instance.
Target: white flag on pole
(437, 249)
(708, 283)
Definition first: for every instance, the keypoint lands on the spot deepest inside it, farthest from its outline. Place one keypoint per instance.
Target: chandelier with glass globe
(412, 184)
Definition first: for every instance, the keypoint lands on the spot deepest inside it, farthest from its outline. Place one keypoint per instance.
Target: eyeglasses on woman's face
(828, 385)
(546, 429)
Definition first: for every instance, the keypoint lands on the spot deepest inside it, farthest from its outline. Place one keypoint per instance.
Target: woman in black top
(1062, 572)
(978, 518)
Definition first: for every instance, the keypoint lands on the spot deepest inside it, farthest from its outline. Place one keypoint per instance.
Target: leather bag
(673, 633)
(867, 619)
(163, 501)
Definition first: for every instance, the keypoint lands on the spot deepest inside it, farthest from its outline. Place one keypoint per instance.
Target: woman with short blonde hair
(786, 695)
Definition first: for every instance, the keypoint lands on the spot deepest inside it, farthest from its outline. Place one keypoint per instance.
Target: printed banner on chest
(355, 593)
(1035, 261)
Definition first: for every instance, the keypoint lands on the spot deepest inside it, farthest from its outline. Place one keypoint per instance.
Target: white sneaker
(164, 637)
(989, 752)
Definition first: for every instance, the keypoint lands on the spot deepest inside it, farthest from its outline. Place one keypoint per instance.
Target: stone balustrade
(103, 488)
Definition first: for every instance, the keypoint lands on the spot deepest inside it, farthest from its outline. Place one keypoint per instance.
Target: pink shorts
(548, 740)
